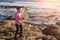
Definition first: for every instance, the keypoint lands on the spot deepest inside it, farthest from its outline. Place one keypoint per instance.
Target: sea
(41, 9)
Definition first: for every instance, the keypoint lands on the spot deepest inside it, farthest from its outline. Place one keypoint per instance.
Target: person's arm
(21, 18)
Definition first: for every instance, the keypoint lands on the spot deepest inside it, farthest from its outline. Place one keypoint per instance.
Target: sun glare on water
(51, 1)
(52, 5)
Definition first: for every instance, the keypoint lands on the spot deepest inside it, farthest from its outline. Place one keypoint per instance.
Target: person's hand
(22, 18)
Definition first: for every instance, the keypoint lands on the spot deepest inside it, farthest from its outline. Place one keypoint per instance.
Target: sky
(31, 0)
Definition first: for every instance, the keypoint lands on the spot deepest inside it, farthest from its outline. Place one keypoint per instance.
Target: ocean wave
(35, 8)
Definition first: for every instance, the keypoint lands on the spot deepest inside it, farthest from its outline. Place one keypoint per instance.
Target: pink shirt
(17, 18)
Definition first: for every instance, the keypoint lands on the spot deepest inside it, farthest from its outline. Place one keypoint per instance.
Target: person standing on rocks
(18, 17)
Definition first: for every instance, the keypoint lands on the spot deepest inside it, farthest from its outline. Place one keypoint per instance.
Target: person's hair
(18, 8)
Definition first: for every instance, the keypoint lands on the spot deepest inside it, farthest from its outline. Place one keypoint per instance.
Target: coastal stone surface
(30, 31)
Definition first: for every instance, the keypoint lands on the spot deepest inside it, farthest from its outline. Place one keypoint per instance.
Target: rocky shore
(30, 31)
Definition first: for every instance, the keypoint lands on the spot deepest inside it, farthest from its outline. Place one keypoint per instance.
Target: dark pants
(17, 30)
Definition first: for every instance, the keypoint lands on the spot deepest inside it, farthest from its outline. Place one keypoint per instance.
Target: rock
(58, 23)
(52, 31)
(31, 31)
(2, 39)
(50, 37)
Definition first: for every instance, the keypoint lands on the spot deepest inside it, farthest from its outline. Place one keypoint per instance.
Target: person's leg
(20, 30)
(17, 28)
